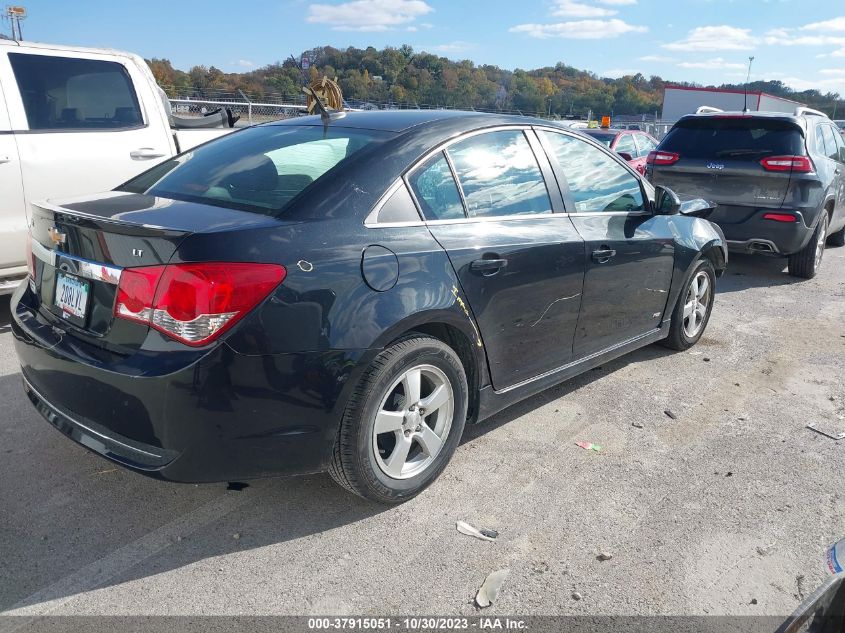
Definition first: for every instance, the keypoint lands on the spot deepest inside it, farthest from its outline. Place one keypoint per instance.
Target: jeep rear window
(259, 169)
(745, 138)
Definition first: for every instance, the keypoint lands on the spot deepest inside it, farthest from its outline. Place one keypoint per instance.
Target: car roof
(782, 116)
(402, 120)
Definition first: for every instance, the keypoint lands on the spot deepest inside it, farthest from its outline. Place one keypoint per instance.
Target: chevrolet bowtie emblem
(57, 236)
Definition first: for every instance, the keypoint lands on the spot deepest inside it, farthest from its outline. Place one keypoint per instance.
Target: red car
(632, 145)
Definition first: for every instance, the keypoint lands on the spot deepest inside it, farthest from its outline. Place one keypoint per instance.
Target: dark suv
(778, 179)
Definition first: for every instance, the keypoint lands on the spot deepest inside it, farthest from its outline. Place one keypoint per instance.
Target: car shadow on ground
(98, 494)
(755, 271)
(5, 315)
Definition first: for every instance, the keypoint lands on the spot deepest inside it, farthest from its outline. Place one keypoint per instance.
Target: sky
(801, 43)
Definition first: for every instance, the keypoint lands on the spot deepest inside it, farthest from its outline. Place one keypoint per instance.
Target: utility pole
(15, 14)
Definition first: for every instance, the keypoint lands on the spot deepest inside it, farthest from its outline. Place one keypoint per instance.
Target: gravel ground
(727, 509)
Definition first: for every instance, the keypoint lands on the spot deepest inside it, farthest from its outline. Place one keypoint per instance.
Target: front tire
(806, 262)
(403, 423)
(692, 311)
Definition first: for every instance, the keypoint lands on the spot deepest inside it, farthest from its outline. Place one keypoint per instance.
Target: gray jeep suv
(778, 179)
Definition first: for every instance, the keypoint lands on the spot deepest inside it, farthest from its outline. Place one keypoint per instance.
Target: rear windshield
(602, 137)
(258, 169)
(744, 138)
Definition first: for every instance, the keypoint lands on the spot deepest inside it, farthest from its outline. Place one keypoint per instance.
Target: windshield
(745, 138)
(259, 169)
(605, 138)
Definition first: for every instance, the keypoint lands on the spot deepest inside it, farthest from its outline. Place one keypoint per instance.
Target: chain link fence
(272, 107)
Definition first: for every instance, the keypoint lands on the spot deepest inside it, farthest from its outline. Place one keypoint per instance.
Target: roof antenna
(747, 79)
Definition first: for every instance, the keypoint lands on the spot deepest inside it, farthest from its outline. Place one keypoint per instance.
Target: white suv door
(12, 209)
(80, 124)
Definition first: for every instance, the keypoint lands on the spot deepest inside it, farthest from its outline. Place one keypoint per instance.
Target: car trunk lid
(81, 247)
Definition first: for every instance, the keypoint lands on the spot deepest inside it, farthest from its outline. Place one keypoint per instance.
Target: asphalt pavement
(726, 509)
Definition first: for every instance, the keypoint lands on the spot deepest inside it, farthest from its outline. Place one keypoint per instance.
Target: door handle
(488, 267)
(5, 159)
(145, 153)
(603, 255)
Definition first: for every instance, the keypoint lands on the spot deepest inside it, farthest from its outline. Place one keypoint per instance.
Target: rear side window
(258, 169)
(645, 145)
(596, 180)
(436, 190)
(63, 93)
(744, 138)
(626, 144)
(830, 142)
(499, 175)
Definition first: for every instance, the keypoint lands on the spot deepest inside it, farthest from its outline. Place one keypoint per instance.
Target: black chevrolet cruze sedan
(345, 294)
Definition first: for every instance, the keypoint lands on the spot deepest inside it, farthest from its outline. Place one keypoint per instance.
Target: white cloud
(572, 9)
(836, 24)
(656, 58)
(836, 72)
(839, 53)
(458, 46)
(244, 63)
(716, 63)
(617, 3)
(368, 15)
(825, 85)
(787, 37)
(715, 38)
(616, 73)
(579, 29)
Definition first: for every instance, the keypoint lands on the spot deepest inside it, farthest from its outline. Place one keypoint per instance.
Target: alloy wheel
(820, 242)
(696, 304)
(413, 422)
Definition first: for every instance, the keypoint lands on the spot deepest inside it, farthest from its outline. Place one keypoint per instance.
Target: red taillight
(194, 303)
(30, 256)
(663, 158)
(799, 164)
(780, 217)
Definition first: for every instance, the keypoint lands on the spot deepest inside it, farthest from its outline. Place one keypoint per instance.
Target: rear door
(519, 260)
(79, 122)
(629, 251)
(834, 157)
(12, 210)
(718, 158)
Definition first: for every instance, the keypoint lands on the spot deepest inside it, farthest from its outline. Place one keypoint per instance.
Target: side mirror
(666, 201)
(626, 156)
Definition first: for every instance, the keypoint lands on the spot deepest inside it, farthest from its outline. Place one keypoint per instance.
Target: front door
(80, 124)
(520, 264)
(12, 208)
(629, 252)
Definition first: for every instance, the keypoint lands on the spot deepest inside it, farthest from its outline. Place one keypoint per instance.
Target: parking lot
(727, 509)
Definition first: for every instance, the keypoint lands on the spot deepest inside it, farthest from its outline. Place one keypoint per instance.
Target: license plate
(71, 295)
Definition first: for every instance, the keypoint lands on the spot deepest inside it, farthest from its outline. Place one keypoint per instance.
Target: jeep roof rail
(802, 110)
(707, 110)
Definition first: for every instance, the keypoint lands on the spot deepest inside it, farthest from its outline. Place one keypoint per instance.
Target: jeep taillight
(799, 164)
(194, 303)
(662, 158)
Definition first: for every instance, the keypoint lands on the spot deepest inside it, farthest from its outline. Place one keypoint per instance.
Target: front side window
(596, 180)
(258, 169)
(499, 175)
(64, 93)
(436, 190)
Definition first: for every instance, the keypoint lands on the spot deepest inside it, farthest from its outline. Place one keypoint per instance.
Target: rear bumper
(223, 416)
(756, 235)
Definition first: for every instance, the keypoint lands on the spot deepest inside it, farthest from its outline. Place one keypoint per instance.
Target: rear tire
(806, 262)
(388, 449)
(692, 311)
(837, 239)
